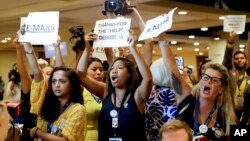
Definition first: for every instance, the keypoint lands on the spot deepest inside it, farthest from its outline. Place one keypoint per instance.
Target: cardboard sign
(234, 23)
(112, 32)
(156, 26)
(50, 50)
(40, 28)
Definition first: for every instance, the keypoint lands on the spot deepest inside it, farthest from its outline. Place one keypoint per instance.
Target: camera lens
(112, 5)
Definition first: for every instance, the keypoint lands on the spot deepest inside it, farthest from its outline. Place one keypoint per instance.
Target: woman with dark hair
(62, 115)
(122, 113)
(93, 103)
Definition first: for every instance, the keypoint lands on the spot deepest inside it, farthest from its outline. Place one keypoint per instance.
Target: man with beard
(240, 81)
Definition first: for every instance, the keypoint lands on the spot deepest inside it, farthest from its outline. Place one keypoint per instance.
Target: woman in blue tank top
(122, 114)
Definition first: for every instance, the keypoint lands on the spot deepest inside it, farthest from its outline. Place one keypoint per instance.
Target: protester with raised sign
(209, 111)
(122, 114)
(239, 79)
(69, 118)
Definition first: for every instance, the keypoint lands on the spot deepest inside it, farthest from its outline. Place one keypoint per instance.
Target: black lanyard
(197, 106)
(118, 109)
(50, 124)
(123, 100)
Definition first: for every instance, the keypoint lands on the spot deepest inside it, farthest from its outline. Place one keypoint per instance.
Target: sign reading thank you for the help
(112, 32)
(156, 26)
(40, 28)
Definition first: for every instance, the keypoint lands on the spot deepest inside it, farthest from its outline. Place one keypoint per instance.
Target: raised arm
(228, 56)
(148, 43)
(109, 51)
(180, 86)
(32, 60)
(93, 86)
(58, 59)
(143, 91)
(21, 66)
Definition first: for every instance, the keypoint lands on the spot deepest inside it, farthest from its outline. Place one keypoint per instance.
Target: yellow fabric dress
(74, 117)
(93, 109)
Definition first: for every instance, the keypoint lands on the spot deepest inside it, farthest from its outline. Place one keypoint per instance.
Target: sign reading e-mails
(40, 28)
(156, 26)
(112, 32)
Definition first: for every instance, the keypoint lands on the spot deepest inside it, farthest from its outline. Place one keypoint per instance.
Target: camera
(78, 33)
(119, 7)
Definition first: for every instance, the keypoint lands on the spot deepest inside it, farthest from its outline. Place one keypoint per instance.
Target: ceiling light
(182, 12)
(173, 42)
(196, 43)
(153, 51)
(241, 46)
(179, 48)
(204, 29)
(200, 53)
(239, 32)
(191, 36)
(196, 49)
(242, 49)
(3, 41)
(8, 38)
(139, 45)
(217, 37)
(208, 48)
(221, 17)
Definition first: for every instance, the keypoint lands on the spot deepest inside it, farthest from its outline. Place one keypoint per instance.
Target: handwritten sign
(234, 23)
(112, 32)
(50, 50)
(156, 26)
(40, 28)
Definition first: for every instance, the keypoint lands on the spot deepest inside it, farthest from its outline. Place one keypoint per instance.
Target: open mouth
(206, 90)
(114, 79)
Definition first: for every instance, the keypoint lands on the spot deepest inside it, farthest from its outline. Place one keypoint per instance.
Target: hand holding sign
(157, 25)
(40, 28)
(112, 32)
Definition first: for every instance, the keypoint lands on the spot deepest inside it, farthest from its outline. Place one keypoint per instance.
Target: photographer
(13, 92)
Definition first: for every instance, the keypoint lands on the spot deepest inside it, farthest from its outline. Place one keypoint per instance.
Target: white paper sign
(99, 53)
(50, 50)
(40, 28)
(112, 32)
(22, 21)
(156, 26)
(234, 23)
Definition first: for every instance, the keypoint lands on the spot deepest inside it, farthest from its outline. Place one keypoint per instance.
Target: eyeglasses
(214, 80)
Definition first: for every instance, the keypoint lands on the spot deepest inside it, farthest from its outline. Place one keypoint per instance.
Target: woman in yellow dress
(92, 103)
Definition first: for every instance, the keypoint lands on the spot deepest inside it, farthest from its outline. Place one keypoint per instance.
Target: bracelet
(36, 132)
(163, 43)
